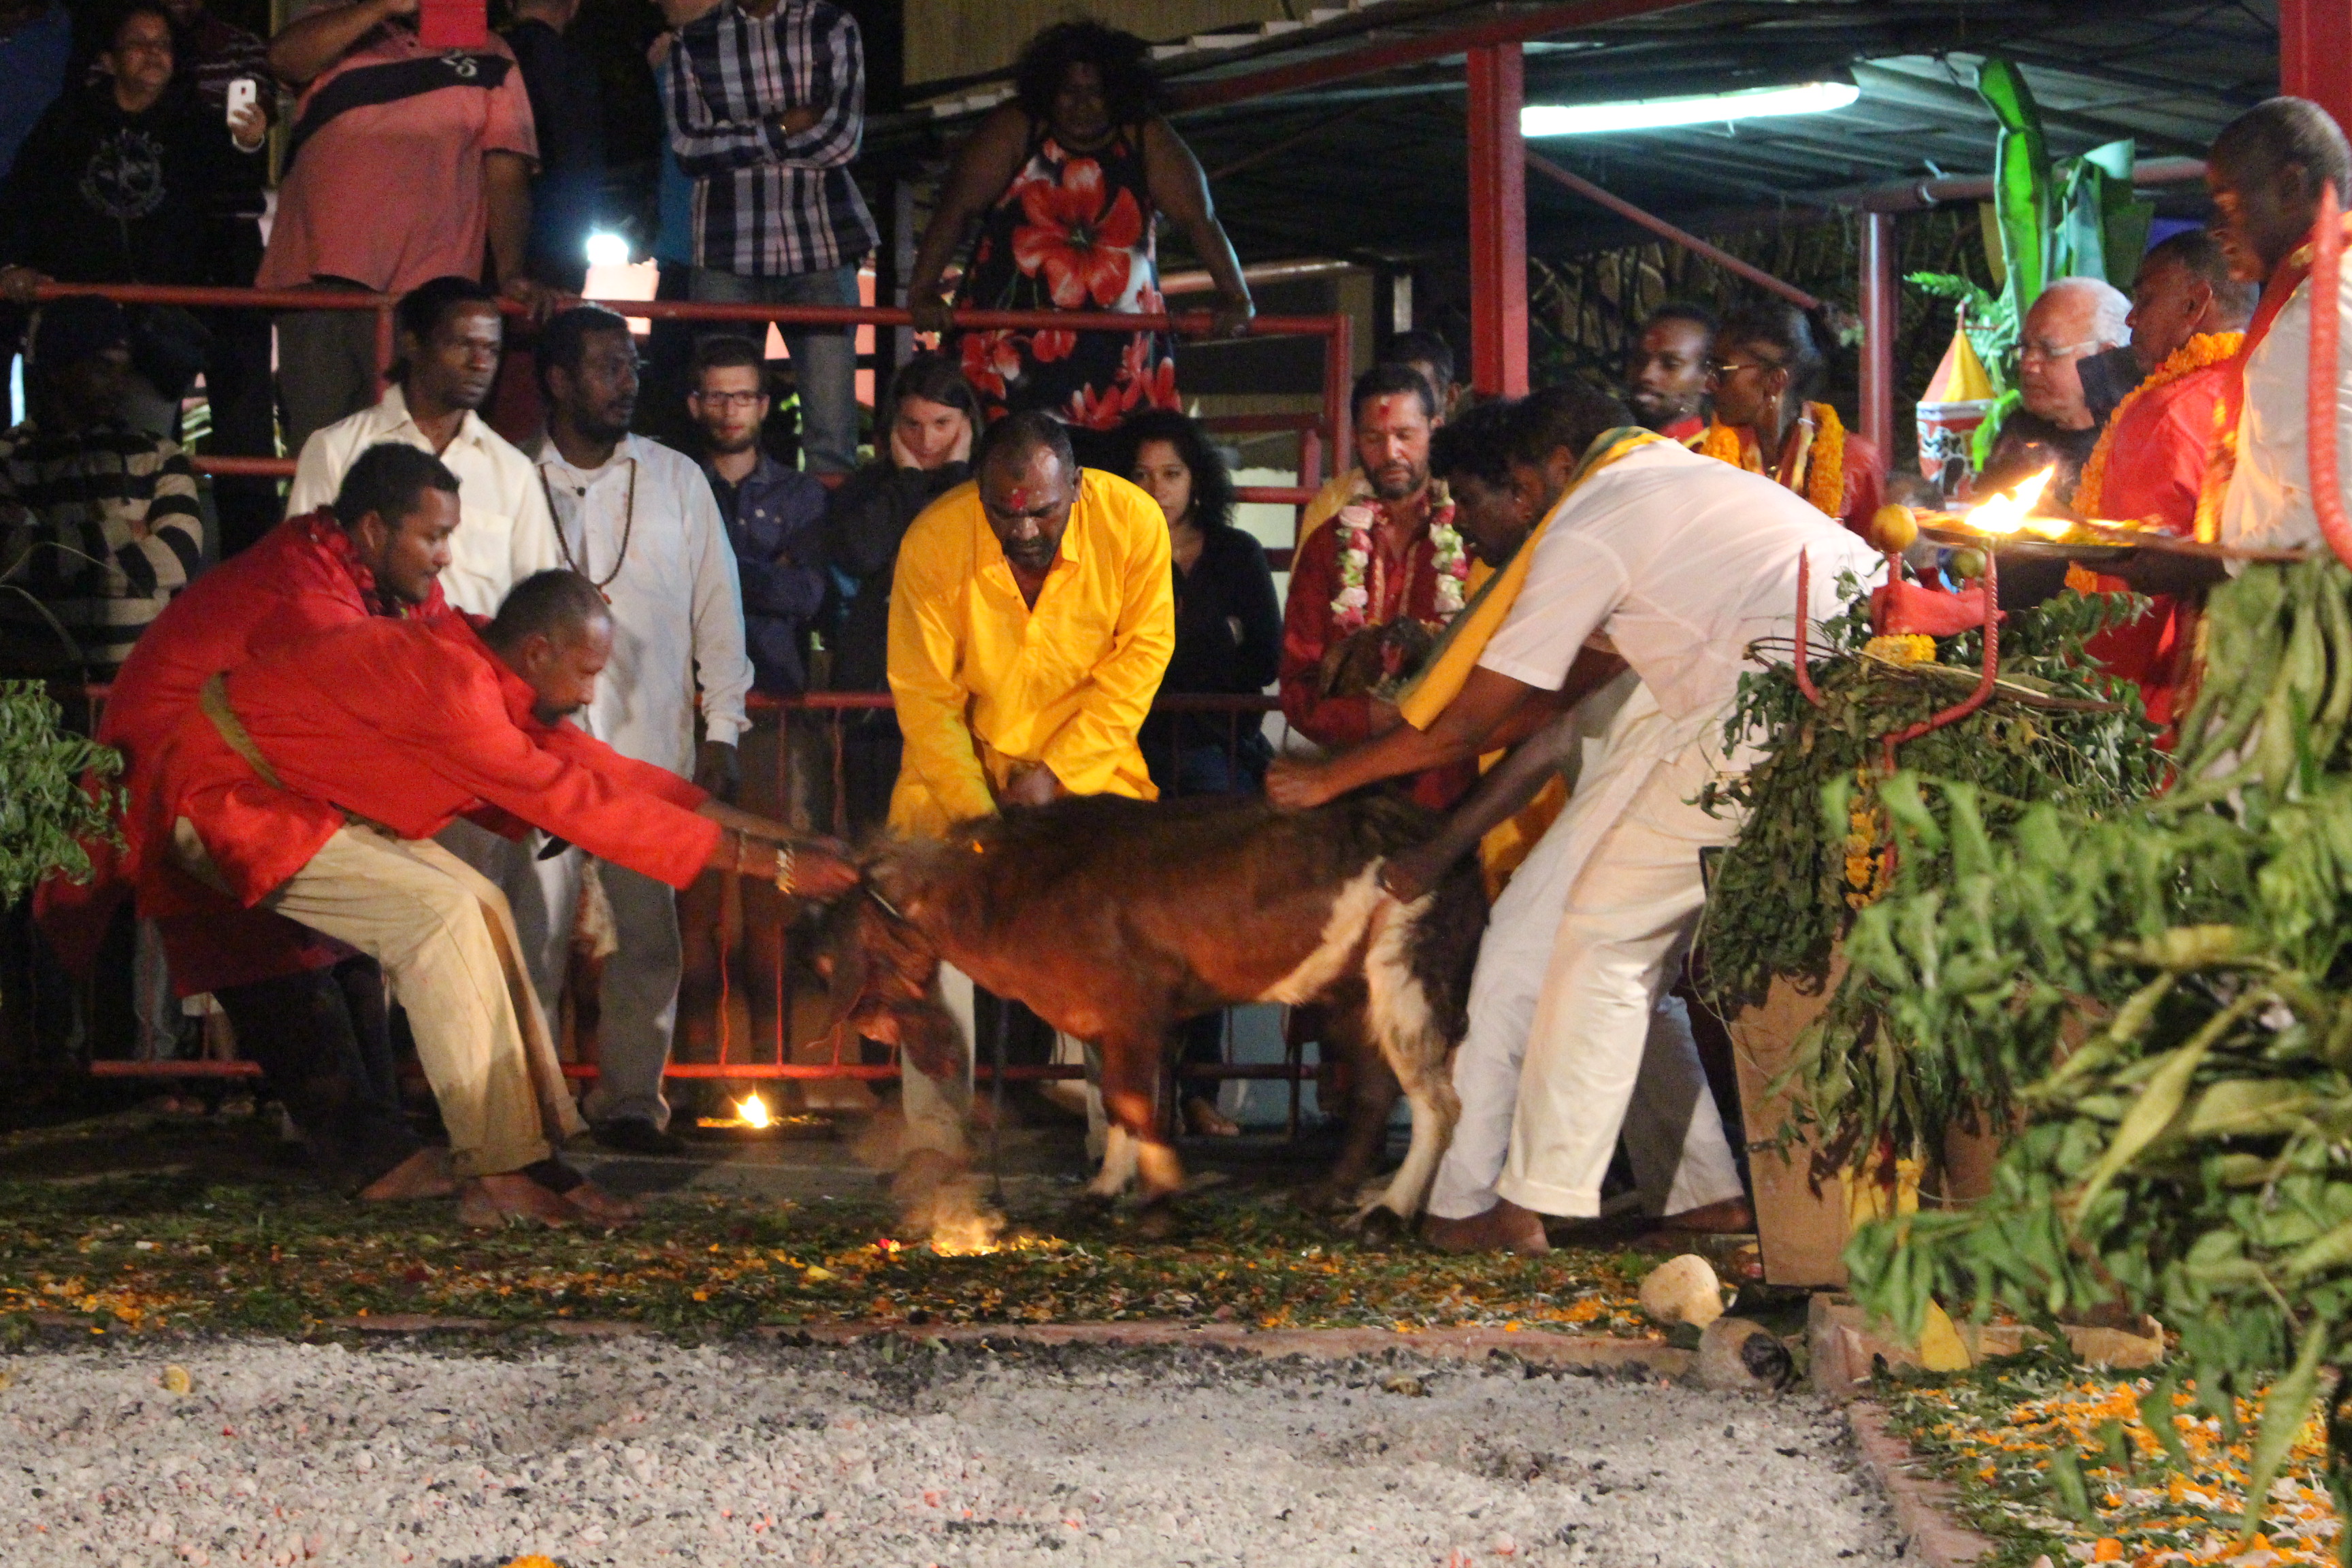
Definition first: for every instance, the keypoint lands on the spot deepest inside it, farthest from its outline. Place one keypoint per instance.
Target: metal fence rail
(1326, 432)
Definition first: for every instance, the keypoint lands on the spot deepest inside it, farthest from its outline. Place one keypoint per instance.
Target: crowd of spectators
(724, 566)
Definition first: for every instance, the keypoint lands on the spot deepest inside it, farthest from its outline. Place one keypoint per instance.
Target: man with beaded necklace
(638, 520)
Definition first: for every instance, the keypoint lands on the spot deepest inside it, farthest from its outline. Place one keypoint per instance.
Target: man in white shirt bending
(1680, 563)
(638, 520)
(450, 335)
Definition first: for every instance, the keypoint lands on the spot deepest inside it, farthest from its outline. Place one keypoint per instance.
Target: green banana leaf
(2102, 224)
(2021, 182)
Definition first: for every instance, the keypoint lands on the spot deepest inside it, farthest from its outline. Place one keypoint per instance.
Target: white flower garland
(1351, 605)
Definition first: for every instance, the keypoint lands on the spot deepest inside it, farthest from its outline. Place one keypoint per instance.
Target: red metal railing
(829, 708)
(1326, 432)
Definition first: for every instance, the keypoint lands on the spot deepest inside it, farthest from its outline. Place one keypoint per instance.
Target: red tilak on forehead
(1019, 499)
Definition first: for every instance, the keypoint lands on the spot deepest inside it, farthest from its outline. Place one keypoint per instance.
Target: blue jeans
(824, 359)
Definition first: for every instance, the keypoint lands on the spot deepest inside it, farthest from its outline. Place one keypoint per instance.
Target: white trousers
(1569, 1010)
(637, 1013)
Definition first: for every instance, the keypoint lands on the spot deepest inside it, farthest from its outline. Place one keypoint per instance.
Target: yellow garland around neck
(1823, 481)
(2200, 352)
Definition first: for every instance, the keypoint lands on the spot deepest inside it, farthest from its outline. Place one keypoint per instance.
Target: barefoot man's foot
(486, 1203)
(1732, 1216)
(423, 1174)
(1506, 1227)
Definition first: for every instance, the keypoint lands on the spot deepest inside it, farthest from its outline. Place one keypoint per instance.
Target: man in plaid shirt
(766, 102)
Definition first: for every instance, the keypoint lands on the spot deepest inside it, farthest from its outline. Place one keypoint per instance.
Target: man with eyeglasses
(2073, 319)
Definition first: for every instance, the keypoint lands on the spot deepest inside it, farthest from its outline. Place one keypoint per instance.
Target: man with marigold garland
(1368, 593)
(1768, 367)
(2187, 318)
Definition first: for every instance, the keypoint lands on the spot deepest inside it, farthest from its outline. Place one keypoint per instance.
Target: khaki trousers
(447, 943)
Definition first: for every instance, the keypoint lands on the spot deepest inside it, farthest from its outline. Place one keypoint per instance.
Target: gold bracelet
(785, 870)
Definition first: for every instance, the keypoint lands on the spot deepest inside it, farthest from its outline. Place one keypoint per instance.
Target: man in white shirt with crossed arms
(1680, 563)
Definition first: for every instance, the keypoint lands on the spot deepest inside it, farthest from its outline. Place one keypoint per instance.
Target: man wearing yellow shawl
(1677, 564)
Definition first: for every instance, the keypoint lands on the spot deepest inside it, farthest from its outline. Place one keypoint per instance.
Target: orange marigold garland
(2200, 353)
(1823, 482)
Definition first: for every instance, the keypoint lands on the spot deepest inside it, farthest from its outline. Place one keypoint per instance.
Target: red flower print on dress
(1052, 343)
(1156, 387)
(989, 360)
(1082, 247)
(1090, 410)
(1147, 384)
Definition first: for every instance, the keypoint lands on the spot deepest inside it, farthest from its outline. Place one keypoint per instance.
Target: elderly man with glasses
(2073, 319)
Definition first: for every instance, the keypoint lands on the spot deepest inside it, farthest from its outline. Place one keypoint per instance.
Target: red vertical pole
(2313, 62)
(1878, 321)
(1499, 223)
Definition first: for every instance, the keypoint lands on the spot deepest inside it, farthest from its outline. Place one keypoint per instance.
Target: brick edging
(1537, 1346)
(1922, 1503)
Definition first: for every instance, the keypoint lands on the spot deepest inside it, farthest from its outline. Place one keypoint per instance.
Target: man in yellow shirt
(1032, 615)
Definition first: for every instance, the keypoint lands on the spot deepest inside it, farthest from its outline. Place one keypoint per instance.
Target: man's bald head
(555, 631)
(2266, 172)
(1028, 480)
(2075, 317)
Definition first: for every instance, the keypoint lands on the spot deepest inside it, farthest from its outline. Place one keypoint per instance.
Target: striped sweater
(99, 529)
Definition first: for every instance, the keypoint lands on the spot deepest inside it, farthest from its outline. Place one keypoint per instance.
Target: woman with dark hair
(1767, 364)
(1228, 643)
(923, 436)
(1066, 181)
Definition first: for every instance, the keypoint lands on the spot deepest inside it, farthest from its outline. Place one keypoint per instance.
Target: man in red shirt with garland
(311, 1012)
(311, 781)
(2187, 318)
(1393, 556)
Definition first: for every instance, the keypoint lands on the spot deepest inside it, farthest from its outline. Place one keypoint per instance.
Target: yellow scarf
(1817, 470)
(1466, 635)
(2200, 352)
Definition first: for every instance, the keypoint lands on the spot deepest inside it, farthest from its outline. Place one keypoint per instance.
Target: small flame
(2006, 513)
(754, 1112)
(966, 1234)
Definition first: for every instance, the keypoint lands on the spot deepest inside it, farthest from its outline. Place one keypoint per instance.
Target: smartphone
(453, 24)
(242, 94)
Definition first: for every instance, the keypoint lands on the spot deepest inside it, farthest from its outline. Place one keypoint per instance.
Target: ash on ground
(640, 1451)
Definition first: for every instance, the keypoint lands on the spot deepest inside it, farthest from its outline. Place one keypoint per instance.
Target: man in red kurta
(1391, 557)
(309, 783)
(311, 1011)
(2187, 319)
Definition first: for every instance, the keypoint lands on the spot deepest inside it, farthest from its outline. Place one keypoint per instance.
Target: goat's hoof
(1377, 1225)
(1158, 1221)
(1327, 1197)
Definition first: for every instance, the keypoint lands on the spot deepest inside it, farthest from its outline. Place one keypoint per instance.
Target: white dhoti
(1568, 1005)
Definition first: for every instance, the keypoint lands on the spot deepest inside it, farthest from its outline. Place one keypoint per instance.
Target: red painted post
(1879, 315)
(2313, 62)
(1499, 223)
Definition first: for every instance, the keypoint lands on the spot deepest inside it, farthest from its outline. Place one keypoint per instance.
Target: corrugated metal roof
(1373, 165)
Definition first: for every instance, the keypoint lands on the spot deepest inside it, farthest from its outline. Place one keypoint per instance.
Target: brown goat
(1115, 919)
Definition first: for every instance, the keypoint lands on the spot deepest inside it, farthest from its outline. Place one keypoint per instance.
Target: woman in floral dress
(1066, 183)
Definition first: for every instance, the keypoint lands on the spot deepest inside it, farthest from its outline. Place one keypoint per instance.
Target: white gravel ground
(639, 1451)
